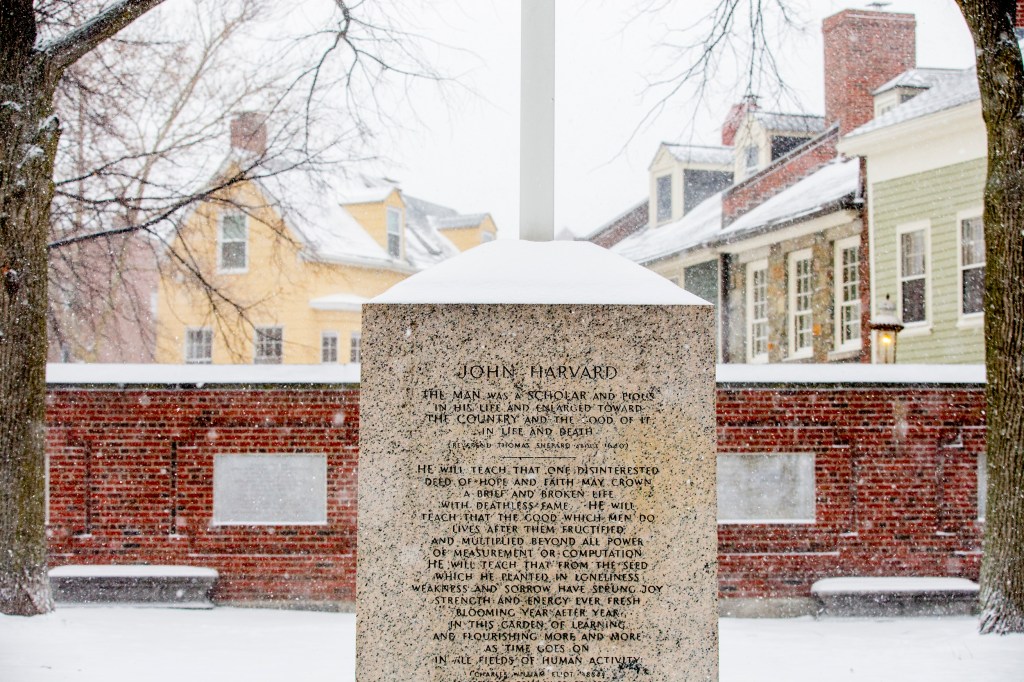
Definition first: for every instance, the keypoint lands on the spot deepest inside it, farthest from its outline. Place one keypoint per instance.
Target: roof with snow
(310, 204)
(920, 79)
(636, 215)
(950, 90)
(789, 123)
(829, 186)
(343, 301)
(313, 205)
(698, 226)
(695, 153)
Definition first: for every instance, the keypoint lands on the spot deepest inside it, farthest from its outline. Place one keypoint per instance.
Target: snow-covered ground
(225, 644)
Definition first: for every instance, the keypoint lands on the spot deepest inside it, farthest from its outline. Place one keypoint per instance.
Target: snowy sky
(464, 152)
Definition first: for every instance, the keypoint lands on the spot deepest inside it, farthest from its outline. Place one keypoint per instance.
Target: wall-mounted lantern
(887, 326)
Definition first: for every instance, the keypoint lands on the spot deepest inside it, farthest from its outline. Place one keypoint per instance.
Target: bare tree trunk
(28, 144)
(1001, 81)
(27, 149)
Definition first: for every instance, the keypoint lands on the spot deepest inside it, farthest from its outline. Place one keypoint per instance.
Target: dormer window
(751, 159)
(663, 198)
(233, 246)
(394, 233)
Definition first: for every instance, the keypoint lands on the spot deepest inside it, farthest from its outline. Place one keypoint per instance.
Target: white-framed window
(912, 264)
(233, 243)
(394, 232)
(329, 347)
(766, 488)
(486, 236)
(752, 159)
(269, 489)
(800, 314)
(846, 269)
(269, 346)
(972, 267)
(199, 346)
(663, 197)
(757, 311)
(354, 351)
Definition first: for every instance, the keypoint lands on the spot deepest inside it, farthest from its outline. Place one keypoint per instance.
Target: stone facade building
(782, 248)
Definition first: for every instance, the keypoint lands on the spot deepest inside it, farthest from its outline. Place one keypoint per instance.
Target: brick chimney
(1020, 16)
(249, 132)
(736, 116)
(864, 50)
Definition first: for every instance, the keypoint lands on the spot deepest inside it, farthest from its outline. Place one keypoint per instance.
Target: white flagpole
(537, 122)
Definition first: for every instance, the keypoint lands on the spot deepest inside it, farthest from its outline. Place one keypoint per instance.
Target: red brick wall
(131, 482)
(895, 470)
(863, 50)
(784, 173)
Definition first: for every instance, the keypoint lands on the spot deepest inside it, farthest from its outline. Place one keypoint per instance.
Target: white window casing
(268, 345)
(663, 198)
(328, 347)
(355, 347)
(394, 227)
(970, 268)
(198, 346)
(846, 297)
(799, 308)
(757, 311)
(913, 272)
(233, 243)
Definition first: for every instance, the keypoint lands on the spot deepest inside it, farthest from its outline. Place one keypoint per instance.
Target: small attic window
(664, 197)
(394, 233)
(751, 158)
(233, 247)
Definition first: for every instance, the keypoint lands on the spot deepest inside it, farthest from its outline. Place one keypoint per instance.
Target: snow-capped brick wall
(890, 484)
(131, 481)
(895, 471)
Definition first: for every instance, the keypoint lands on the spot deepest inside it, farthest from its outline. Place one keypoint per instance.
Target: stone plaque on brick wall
(537, 479)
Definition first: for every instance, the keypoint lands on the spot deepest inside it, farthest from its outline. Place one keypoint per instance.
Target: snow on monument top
(513, 271)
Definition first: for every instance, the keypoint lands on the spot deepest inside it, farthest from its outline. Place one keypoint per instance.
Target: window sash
(913, 277)
(199, 346)
(269, 344)
(234, 239)
(972, 266)
(757, 327)
(848, 294)
(329, 347)
(394, 228)
(664, 197)
(801, 316)
(355, 347)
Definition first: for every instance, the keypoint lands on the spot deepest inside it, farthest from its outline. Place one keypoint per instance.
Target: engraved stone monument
(537, 473)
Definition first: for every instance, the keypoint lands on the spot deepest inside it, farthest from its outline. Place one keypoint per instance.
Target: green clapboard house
(925, 156)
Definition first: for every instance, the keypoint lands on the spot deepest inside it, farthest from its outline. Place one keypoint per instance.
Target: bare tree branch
(72, 46)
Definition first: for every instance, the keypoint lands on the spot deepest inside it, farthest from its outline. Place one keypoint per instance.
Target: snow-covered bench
(187, 587)
(896, 596)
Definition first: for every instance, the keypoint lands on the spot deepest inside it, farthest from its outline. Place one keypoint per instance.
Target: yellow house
(275, 269)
